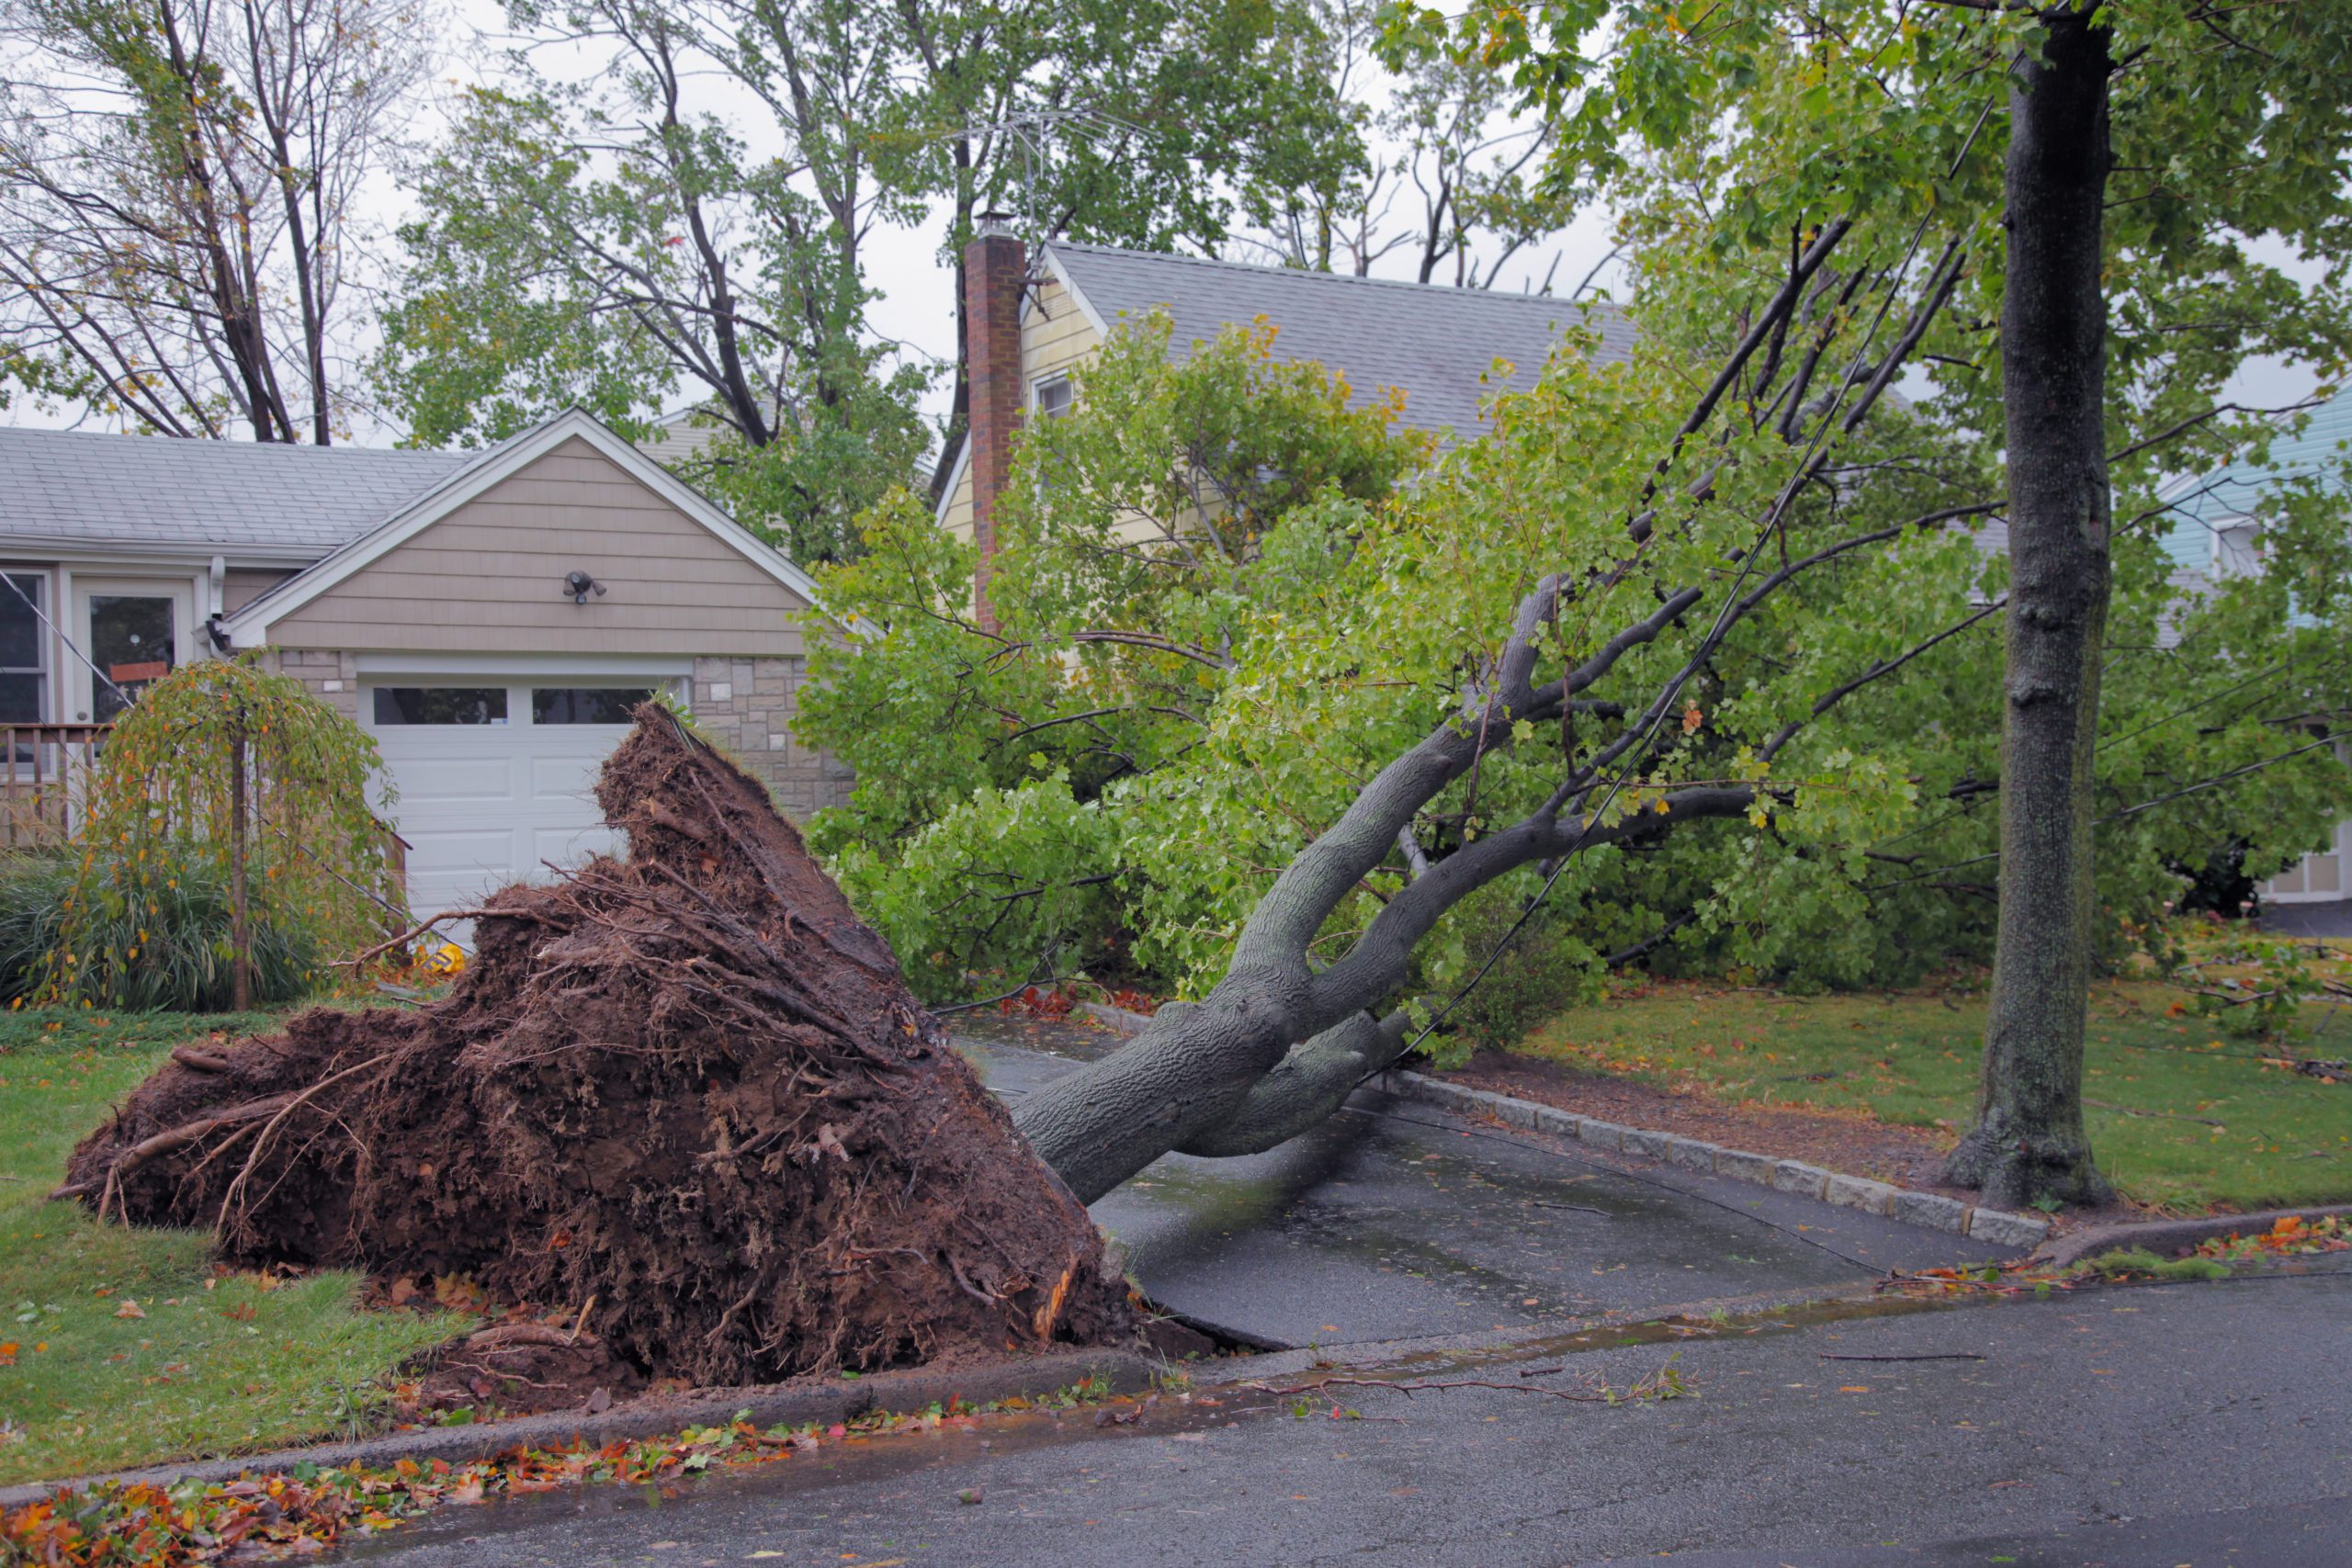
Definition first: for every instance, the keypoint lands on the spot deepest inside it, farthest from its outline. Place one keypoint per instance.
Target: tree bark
(241, 934)
(2028, 1142)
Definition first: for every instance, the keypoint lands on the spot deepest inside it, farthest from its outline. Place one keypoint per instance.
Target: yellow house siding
(488, 578)
(1055, 336)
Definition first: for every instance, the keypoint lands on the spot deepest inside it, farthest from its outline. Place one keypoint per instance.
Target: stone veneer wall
(746, 704)
(332, 677)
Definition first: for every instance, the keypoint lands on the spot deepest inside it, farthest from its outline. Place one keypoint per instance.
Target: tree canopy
(1171, 707)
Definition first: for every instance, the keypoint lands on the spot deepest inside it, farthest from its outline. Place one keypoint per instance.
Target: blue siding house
(2215, 536)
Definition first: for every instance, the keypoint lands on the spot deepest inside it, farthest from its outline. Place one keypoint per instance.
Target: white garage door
(496, 778)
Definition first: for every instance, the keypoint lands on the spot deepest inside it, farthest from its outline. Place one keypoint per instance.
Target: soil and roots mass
(688, 1087)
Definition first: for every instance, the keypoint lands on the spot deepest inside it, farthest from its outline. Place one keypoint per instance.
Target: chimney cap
(995, 224)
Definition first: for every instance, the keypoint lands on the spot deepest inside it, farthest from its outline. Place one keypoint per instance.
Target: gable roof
(290, 504)
(251, 625)
(1435, 341)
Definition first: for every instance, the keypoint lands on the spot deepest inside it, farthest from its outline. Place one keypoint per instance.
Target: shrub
(174, 955)
(1545, 970)
(33, 884)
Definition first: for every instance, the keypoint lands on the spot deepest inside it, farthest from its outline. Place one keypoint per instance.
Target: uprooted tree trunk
(689, 1087)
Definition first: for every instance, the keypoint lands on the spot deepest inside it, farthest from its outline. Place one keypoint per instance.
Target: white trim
(191, 557)
(528, 666)
(954, 481)
(252, 626)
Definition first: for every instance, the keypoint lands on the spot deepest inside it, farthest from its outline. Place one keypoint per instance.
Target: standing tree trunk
(2028, 1142)
(241, 931)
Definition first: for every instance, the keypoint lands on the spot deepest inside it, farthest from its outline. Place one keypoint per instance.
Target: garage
(495, 777)
(493, 634)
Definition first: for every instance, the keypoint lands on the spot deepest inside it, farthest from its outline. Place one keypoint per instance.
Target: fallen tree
(686, 1094)
(691, 1087)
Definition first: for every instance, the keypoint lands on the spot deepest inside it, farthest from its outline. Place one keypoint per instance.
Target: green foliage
(611, 243)
(1004, 779)
(172, 954)
(143, 910)
(547, 270)
(1210, 654)
(1547, 969)
(2139, 1263)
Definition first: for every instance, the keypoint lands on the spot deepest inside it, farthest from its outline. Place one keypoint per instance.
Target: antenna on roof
(1034, 131)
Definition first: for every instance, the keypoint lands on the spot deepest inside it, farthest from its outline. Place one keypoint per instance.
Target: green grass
(2284, 1138)
(217, 1365)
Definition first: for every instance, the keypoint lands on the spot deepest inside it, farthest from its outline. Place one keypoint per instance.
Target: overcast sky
(917, 307)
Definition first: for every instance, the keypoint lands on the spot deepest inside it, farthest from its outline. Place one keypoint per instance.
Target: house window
(1051, 396)
(585, 705)
(440, 705)
(22, 670)
(2237, 550)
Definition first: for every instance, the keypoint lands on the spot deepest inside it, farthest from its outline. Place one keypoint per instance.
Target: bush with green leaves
(172, 955)
(142, 894)
(1229, 592)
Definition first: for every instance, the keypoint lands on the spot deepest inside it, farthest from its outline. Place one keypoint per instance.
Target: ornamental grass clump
(227, 851)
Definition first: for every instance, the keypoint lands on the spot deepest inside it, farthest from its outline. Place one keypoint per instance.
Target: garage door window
(440, 705)
(585, 705)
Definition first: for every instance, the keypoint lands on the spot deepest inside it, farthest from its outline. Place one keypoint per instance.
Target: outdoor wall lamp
(579, 584)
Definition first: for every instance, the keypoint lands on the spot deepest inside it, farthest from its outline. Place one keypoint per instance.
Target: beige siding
(1055, 337)
(488, 578)
(240, 586)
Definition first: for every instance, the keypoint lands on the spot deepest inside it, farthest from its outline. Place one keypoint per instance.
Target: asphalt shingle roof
(1435, 343)
(222, 495)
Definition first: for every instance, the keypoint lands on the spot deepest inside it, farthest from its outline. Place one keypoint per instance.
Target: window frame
(1058, 380)
(40, 577)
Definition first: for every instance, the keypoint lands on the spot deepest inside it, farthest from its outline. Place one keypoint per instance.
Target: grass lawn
(2183, 1118)
(127, 1349)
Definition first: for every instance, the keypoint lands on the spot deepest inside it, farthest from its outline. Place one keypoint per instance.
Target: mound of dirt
(687, 1092)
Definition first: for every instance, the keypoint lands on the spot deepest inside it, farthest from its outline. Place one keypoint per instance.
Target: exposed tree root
(689, 1086)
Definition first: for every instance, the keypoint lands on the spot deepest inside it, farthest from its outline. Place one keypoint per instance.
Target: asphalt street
(2202, 1425)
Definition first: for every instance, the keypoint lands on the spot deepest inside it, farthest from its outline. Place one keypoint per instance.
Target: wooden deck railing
(44, 768)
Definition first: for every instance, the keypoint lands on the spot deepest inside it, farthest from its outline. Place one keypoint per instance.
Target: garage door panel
(571, 846)
(427, 779)
(570, 780)
(451, 848)
(482, 805)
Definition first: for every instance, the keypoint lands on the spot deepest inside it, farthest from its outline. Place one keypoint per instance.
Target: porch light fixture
(579, 585)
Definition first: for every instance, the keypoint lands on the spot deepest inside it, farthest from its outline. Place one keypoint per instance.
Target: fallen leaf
(130, 1309)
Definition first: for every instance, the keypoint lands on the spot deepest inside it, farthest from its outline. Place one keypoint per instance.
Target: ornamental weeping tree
(229, 847)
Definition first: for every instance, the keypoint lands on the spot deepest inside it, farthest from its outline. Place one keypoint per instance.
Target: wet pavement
(2318, 920)
(1394, 1220)
(2200, 1425)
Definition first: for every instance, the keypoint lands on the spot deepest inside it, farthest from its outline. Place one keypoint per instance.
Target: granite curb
(771, 1404)
(1930, 1211)
(2162, 1237)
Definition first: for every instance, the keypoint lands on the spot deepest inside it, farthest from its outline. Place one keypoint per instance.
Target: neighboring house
(434, 597)
(2216, 535)
(1027, 330)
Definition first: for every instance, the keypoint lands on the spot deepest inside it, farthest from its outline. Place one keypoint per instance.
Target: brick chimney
(996, 270)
